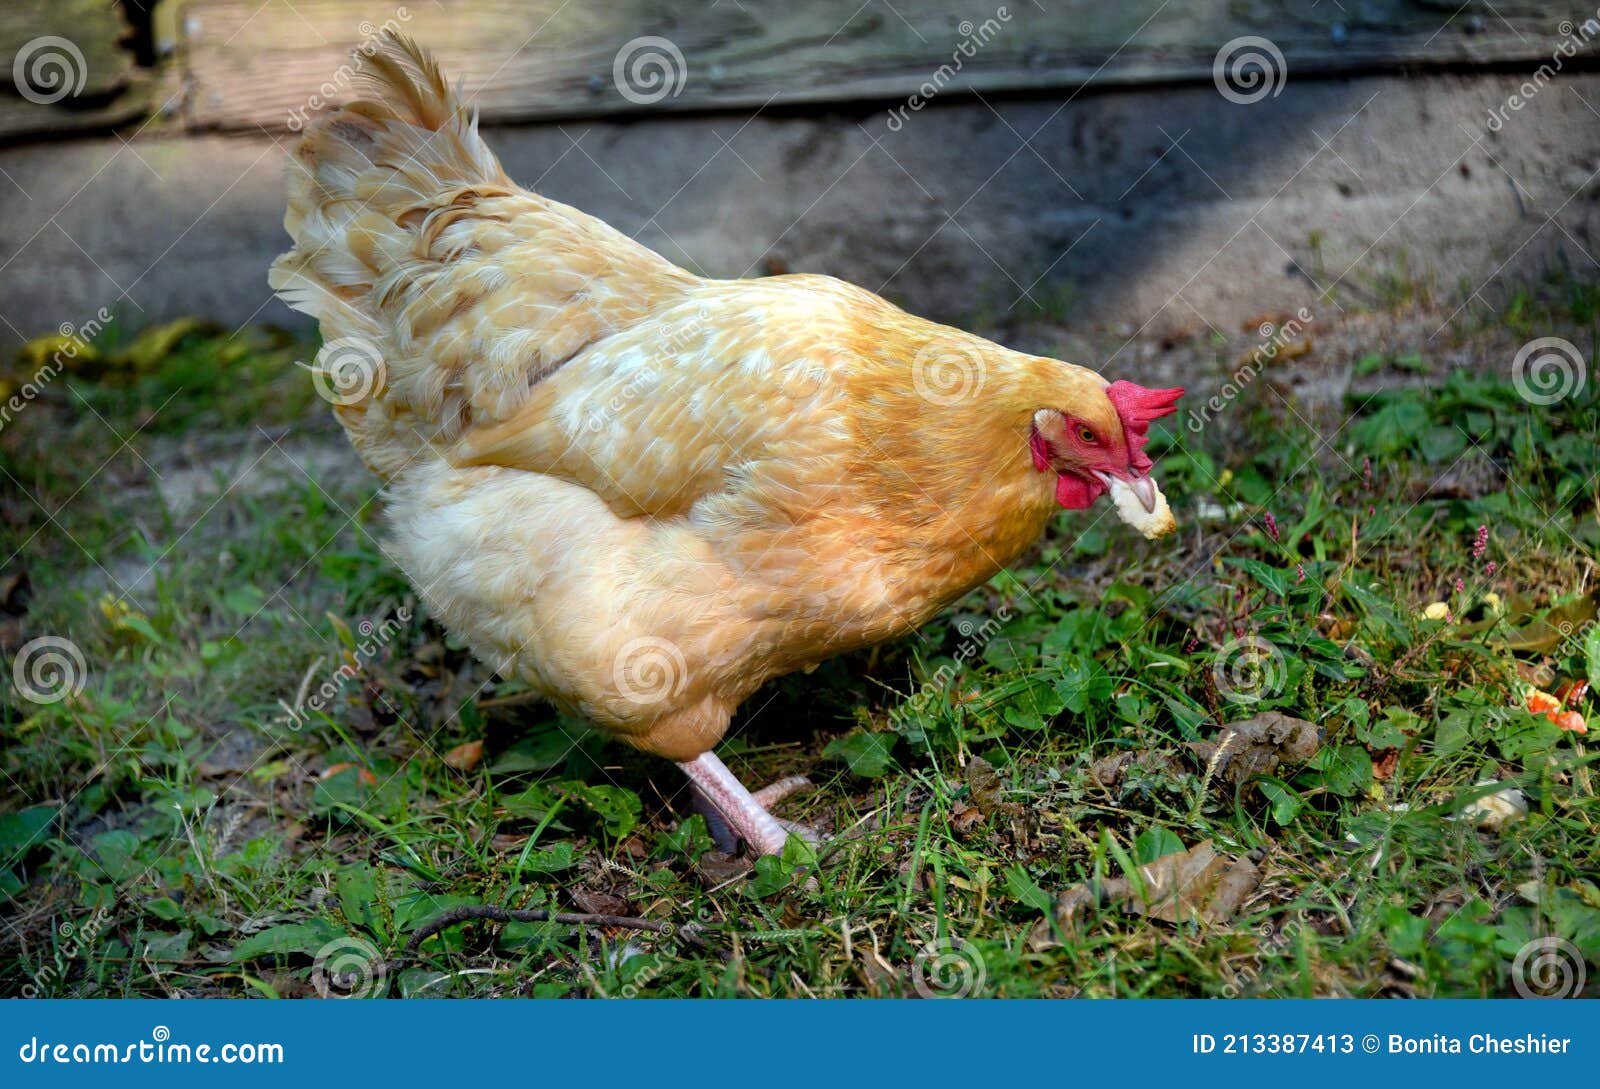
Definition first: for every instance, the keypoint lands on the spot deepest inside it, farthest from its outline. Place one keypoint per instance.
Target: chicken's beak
(1143, 487)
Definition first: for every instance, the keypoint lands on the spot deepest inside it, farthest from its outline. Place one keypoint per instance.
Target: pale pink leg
(738, 806)
(773, 793)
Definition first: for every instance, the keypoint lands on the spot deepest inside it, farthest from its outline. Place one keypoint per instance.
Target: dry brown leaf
(985, 789)
(1242, 751)
(464, 757)
(1258, 746)
(963, 816)
(1197, 884)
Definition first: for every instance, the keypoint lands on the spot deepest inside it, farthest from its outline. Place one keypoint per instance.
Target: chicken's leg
(746, 813)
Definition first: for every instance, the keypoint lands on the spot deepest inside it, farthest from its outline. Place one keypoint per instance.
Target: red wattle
(1076, 493)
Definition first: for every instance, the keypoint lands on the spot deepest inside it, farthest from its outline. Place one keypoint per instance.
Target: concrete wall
(1164, 208)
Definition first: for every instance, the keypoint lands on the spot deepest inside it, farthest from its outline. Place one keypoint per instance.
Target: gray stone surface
(1158, 209)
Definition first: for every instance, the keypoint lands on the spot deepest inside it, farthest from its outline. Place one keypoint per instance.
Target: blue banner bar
(780, 1043)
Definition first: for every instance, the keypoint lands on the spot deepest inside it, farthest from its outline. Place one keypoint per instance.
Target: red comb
(1138, 405)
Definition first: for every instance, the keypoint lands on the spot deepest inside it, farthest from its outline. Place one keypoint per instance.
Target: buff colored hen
(647, 493)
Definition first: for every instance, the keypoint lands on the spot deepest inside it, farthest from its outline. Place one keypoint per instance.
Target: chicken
(642, 492)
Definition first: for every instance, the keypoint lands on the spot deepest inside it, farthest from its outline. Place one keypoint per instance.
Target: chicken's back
(449, 290)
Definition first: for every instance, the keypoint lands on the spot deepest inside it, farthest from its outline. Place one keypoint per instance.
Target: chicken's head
(1098, 443)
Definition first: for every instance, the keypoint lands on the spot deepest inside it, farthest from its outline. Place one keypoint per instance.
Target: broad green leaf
(618, 809)
(1283, 799)
(1154, 843)
(25, 829)
(557, 856)
(287, 938)
(868, 755)
(166, 947)
(1083, 683)
(357, 887)
(1270, 577)
(1345, 770)
(1026, 890)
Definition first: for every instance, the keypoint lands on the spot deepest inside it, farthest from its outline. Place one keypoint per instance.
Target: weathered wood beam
(66, 68)
(269, 66)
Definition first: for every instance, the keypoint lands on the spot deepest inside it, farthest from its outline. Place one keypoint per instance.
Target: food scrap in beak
(1140, 504)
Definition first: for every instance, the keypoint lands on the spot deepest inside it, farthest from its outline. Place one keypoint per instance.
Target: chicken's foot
(733, 813)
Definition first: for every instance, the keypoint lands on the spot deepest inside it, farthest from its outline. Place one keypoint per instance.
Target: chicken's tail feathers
(361, 176)
(408, 134)
(362, 181)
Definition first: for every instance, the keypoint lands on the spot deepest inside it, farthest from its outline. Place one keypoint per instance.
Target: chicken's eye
(1087, 436)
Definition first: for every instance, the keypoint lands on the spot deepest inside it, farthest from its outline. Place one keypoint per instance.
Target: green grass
(170, 829)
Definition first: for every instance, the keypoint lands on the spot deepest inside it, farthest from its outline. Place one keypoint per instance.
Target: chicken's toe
(732, 811)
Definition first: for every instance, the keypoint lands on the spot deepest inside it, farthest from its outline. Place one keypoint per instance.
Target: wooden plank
(66, 67)
(253, 63)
